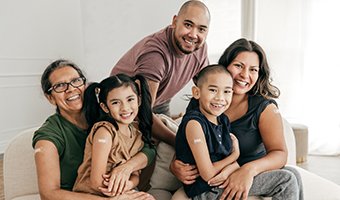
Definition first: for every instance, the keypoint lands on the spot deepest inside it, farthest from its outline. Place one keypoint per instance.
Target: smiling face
(69, 102)
(214, 94)
(191, 28)
(245, 71)
(122, 105)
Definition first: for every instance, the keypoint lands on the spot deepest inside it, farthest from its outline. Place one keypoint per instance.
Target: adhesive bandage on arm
(102, 140)
(38, 150)
(198, 140)
(276, 111)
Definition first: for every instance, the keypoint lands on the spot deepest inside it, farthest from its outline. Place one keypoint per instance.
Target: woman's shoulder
(57, 130)
(54, 123)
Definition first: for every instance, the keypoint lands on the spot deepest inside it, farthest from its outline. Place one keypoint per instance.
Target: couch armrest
(290, 142)
(20, 178)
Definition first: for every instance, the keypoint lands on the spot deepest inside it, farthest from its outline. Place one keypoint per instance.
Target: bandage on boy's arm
(198, 146)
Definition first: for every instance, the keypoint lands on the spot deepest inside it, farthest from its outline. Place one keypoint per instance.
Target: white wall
(32, 34)
(93, 34)
(112, 27)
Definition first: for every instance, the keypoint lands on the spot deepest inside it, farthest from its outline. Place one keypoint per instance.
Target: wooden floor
(324, 166)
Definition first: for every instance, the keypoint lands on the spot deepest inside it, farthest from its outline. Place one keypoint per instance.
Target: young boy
(203, 136)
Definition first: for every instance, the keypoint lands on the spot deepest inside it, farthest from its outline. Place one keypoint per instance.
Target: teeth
(126, 115)
(242, 82)
(73, 97)
(189, 42)
(217, 105)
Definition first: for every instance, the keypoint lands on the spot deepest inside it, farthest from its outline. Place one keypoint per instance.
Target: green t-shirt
(70, 143)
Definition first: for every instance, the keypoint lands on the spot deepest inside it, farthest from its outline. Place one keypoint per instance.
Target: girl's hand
(116, 181)
(126, 189)
(237, 186)
(184, 172)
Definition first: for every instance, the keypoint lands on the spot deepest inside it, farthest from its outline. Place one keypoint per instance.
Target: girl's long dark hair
(97, 93)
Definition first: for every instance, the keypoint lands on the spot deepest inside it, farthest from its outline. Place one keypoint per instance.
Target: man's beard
(180, 47)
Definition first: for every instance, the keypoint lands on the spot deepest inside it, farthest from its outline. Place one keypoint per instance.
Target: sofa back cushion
(20, 177)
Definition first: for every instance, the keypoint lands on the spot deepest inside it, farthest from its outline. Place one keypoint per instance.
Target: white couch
(20, 180)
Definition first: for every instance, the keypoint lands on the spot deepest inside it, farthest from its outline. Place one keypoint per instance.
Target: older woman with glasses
(59, 143)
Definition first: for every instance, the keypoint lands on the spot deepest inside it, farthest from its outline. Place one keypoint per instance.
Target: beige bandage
(102, 141)
(197, 141)
(37, 150)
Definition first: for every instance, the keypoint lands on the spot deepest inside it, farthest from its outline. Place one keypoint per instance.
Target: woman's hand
(184, 172)
(221, 177)
(238, 184)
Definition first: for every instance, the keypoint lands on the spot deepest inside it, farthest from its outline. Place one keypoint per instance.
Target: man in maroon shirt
(169, 59)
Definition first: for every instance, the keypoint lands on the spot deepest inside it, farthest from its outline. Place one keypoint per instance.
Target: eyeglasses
(62, 87)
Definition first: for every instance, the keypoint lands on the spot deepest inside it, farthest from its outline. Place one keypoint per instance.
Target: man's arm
(159, 130)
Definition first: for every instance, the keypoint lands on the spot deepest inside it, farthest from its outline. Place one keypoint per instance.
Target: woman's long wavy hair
(93, 98)
(263, 86)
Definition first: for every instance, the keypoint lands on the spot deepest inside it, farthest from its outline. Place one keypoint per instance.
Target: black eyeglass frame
(53, 87)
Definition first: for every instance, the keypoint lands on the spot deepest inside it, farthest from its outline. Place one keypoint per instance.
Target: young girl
(111, 107)
(203, 136)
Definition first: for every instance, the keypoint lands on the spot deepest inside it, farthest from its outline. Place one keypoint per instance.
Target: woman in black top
(257, 124)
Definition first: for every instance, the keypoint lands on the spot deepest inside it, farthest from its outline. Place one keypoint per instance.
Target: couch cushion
(19, 165)
(162, 178)
(315, 187)
(28, 197)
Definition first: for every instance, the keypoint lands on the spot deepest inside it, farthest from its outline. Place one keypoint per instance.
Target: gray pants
(281, 184)
(215, 193)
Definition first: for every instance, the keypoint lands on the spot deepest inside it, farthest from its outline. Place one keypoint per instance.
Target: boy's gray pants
(281, 184)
